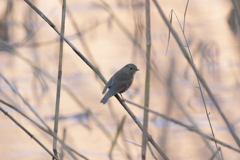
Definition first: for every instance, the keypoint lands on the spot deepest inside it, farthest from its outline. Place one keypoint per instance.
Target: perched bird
(120, 82)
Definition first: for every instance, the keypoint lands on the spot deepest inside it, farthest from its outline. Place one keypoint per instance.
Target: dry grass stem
(190, 128)
(25, 130)
(50, 132)
(147, 80)
(201, 79)
(172, 95)
(96, 71)
(56, 119)
(199, 86)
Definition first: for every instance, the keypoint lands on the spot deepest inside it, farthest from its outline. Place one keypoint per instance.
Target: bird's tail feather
(105, 98)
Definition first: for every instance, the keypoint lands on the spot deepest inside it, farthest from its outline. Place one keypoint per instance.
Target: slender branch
(63, 144)
(141, 127)
(36, 114)
(199, 86)
(151, 151)
(59, 78)
(80, 36)
(65, 87)
(135, 42)
(147, 81)
(25, 130)
(24, 101)
(97, 72)
(91, 58)
(68, 42)
(119, 129)
(201, 79)
(185, 13)
(121, 26)
(190, 128)
(50, 132)
(215, 154)
(180, 106)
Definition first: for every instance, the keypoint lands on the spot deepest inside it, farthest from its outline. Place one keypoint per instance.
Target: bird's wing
(109, 83)
(119, 86)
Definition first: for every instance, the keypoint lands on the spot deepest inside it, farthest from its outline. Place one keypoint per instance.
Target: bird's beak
(137, 69)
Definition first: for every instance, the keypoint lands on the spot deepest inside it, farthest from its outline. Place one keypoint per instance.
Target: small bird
(120, 81)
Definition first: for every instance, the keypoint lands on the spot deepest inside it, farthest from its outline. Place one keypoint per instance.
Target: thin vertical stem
(189, 127)
(150, 139)
(199, 76)
(63, 144)
(199, 86)
(147, 81)
(25, 130)
(67, 41)
(100, 76)
(185, 13)
(114, 142)
(50, 132)
(59, 78)
(215, 154)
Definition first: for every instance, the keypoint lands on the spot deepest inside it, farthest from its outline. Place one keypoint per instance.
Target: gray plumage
(119, 82)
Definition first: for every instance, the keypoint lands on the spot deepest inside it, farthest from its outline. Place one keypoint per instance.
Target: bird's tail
(105, 98)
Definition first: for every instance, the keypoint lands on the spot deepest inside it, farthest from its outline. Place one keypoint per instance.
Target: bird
(119, 82)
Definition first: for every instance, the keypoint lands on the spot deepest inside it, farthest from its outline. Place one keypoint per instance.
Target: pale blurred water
(206, 24)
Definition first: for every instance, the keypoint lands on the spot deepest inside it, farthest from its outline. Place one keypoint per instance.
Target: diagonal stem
(98, 73)
(190, 128)
(201, 79)
(25, 130)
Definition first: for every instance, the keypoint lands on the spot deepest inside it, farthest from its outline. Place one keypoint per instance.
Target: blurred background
(111, 34)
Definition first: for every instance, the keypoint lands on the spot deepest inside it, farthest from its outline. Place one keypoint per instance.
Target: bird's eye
(130, 68)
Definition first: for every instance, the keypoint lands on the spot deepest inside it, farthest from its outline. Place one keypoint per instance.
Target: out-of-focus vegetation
(185, 120)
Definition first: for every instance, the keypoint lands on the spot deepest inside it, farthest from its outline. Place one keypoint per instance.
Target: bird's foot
(122, 98)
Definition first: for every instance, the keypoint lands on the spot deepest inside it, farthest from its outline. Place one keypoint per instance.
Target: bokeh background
(111, 34)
